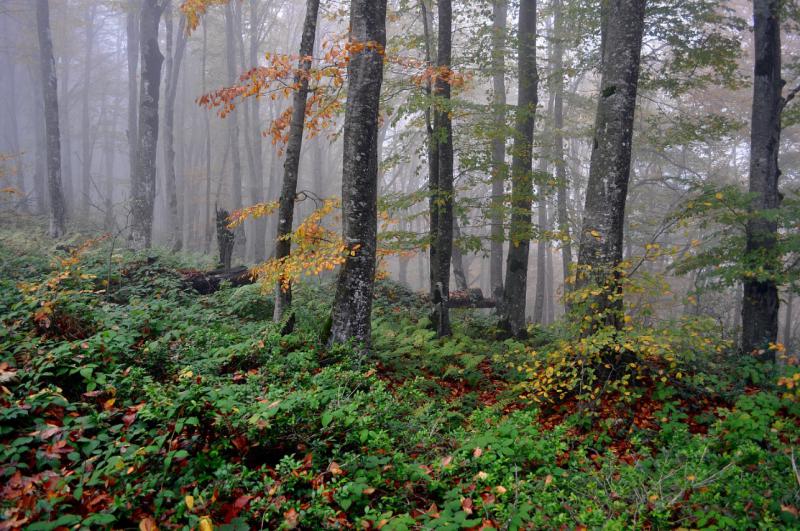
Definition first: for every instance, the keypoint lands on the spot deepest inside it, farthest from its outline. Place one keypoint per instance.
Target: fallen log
(207, 282)
(471, 298)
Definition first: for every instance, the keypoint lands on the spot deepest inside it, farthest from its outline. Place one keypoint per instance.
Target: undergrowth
(128, 400)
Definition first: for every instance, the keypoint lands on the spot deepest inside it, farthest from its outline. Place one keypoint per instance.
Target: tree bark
(459, 273)
(144, 182)
(601, 240)
(257, 174)
(207, 217)
(541, 256)
(132, 50)
(173, 70)
(352, 305)
(10, 68)
(499, 168)
(50, 93)
(233, 127)
(443, 194)
(516, 283)
(86, 140)
(65, 130)
(788, 328)
(291, 166)
(562, 193)
(760, 304)
(433, 155)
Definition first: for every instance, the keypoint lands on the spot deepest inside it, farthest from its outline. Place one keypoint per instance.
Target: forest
(399, 264)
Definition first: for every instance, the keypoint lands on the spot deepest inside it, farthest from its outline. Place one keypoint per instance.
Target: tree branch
(789, 97)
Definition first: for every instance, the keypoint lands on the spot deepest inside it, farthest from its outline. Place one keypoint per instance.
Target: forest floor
(130, 401)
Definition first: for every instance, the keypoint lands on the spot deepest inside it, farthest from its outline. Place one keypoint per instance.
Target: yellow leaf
(206, 524)
(189, 502)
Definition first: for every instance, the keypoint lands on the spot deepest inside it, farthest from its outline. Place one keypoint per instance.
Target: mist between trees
(519, 148)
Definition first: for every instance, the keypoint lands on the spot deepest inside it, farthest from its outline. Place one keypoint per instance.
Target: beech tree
(175, 51)
(233, 124)
(601, 238)
(143, 187)
(498, 168)
(352, 306)
(291, 166)
(132, 53)
(760, 305)
(50, 93)
(558, 138)
(86, 137)
(516, 281)
(442, 188)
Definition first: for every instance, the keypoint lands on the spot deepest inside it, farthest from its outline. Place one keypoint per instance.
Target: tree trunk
(499, 169)
(226, 239)
(207, 126)
(352, 306)
(433, 155)
(86, 140)
(558, 141)
(144, 182)
(10, 68)
(761, 303)
(132, 49)
(65, 130)
(233, 126)
(787, 329)
(516, 284)
(50, 93)
(257, 182)
(173, 70)
(459, 273)
(110, 153)
(604, 214)
(443, 195)
(291, 166)
(550, 298)
(541, 257)
(40, 166)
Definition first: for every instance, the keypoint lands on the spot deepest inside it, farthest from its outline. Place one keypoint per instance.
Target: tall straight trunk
(291, 166)
(761, 303)
(86, 137)
(516, 284)
(601, 240)
(132, 51)
(352, 306)
(549, 302)
(10, 69)
(459, 273)
(443, 196)
(50, 94)
(109, 154)
(257, 173)
(40, 166)
(539, 300)
(207, 128)
(788, 328)
(233, 127)
(172, 70)
(499, 169)
(144, 182)
(433, 155)
(558, 140)
(65, 130)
